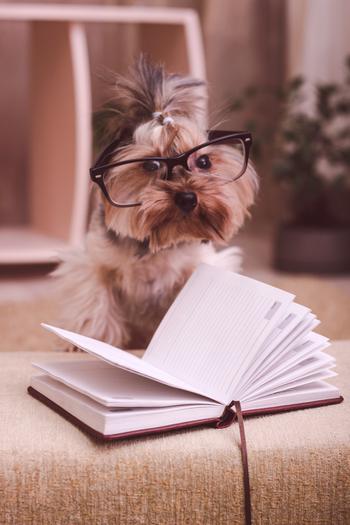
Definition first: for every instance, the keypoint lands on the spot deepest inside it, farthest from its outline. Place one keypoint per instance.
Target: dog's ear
(147, 89)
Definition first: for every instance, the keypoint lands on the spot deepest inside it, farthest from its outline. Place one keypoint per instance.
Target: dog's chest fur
(150, 278)
(143, 284)
(144, 295)
(118, 291)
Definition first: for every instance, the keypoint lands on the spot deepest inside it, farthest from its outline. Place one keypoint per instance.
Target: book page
(316, 376)
(311, 392)
(111, 421)
(213, 329)
(275, 343)
(317, 363)
(295, 354)
(292, 339)
(120, 358)
(114, 387)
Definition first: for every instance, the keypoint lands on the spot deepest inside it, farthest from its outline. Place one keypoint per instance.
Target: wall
(244, 42)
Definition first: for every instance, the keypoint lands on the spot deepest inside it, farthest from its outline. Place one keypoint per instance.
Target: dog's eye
(151, 165)
(203, 162)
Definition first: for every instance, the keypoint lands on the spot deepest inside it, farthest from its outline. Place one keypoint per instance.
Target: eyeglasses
(224, 156)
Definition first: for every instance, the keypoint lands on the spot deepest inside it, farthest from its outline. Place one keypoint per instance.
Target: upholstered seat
(53, 473)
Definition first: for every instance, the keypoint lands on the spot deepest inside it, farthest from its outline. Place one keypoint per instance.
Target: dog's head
(167, 190)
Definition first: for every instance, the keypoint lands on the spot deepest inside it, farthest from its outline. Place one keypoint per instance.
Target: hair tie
(168, 120)
(159, 116)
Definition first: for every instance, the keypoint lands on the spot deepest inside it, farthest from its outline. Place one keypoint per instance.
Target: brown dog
(164, 200)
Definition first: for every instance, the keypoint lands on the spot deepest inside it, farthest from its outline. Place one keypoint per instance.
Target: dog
(156, 219)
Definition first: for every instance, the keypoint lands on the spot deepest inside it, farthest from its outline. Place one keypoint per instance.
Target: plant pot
(312, 249)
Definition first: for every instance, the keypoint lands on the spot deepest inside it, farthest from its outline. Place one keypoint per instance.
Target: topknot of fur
(148, 92)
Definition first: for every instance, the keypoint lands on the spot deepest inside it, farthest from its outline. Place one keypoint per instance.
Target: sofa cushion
(53, 473)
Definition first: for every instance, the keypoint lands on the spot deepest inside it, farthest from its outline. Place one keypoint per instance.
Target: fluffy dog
(156, 218)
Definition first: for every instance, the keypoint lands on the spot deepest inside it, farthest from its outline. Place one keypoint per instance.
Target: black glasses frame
(101, 165)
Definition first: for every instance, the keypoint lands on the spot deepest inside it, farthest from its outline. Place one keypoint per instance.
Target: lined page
(120, 358)
(296, 354)
(316, 391)
(214, 327)
(276, 341)
(114, 387)
(317, 363)
(297, 336)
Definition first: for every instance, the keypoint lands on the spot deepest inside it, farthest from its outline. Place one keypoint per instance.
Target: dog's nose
(186, 200)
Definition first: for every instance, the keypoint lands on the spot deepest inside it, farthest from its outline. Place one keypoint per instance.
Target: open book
(226, 337)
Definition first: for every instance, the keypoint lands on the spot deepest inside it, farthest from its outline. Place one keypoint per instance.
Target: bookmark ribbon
(226, 419)
(244, 454)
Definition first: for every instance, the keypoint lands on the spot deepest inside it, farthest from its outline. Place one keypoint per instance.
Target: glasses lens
(126, 182)
(224, 159)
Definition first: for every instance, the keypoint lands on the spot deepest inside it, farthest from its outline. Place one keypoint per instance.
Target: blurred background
(278, 68)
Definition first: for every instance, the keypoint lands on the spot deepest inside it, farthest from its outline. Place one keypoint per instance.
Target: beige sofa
(52, 473)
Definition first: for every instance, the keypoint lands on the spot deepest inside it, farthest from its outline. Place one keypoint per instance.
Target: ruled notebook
(225, 338)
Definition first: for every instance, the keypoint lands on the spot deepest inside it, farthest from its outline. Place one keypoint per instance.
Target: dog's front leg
(88, 303)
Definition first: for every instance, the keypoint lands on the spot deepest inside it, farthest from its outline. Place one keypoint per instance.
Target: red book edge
(222, 422)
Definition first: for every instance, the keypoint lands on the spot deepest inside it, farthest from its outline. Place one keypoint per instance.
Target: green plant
(310, 150)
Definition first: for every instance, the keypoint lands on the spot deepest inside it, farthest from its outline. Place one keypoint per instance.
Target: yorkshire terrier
(166, 189)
